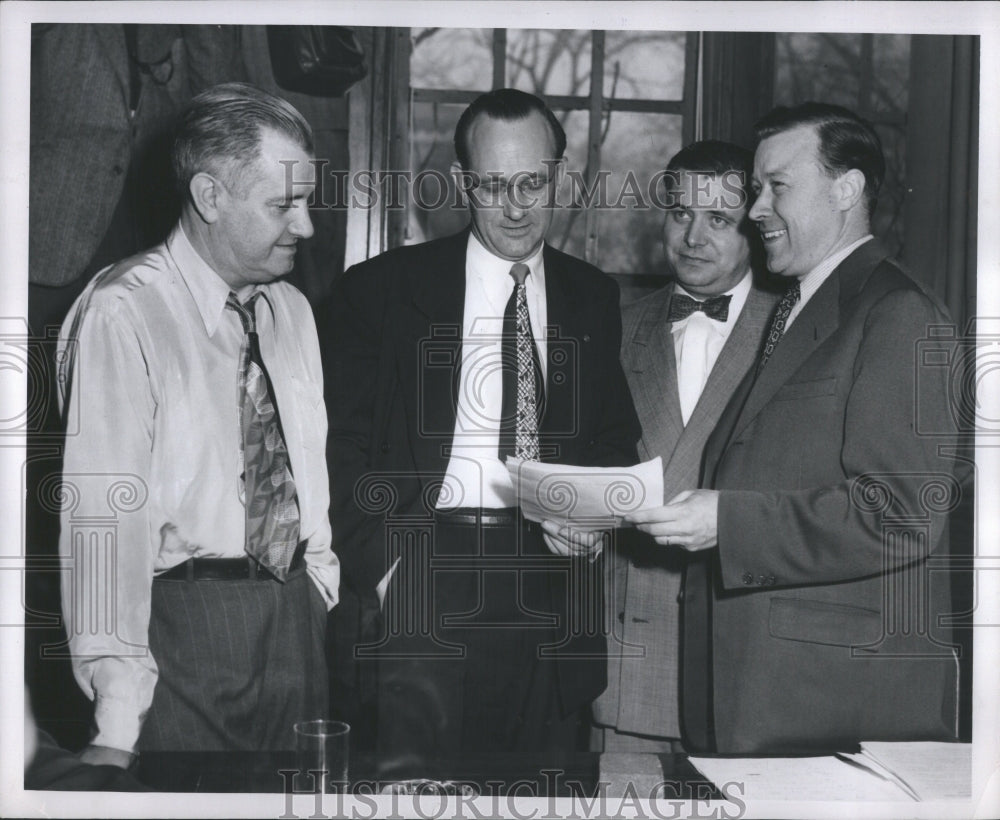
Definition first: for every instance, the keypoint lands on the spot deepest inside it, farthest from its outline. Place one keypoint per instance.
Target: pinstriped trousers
(239, 663)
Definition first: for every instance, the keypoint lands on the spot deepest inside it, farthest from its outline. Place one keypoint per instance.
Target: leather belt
(476, 517)
(225, 569)
(500, 517)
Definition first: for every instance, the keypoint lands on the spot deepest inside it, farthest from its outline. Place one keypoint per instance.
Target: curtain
(940, 210)
(939, 247)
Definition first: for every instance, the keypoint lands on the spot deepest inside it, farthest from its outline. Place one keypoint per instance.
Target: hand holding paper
(570, 542)
(690, 520)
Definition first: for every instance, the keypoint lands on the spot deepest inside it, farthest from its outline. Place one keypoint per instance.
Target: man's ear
(849, 189)
(205, 193)
(463, 181)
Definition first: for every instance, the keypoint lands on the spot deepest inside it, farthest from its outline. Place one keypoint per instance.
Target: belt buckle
(256, 570)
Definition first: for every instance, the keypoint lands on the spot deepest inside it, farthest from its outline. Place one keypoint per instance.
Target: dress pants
(476, 616)
(240, 662)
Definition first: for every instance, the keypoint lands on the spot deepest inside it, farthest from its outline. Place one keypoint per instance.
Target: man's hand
(690, 520)
(570, 542)
(107, 756)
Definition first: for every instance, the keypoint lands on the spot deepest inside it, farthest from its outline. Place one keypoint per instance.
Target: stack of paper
(591, 498)
(930, 771)
(880, 771)
(795, 778)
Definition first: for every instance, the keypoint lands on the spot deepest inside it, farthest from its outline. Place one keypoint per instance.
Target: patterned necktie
(522, 376)
(781, 313)
(272, 510)
(682, 306)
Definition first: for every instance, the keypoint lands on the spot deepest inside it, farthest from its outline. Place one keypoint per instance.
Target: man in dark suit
(809, 610)
(685, 348)
(489, 631)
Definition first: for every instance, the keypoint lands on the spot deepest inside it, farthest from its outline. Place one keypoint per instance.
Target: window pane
(549, 62)
(452, 58)
(636, 148)
(817, 67)
(644, 65)
(431, 197)
(827, 67)
(569, 225)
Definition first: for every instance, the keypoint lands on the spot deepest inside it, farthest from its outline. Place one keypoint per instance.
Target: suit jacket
(819, 602)
(392, 333)
(644, 611)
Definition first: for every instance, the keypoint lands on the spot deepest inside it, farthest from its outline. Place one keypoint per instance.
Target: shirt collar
(810, 283)
(489, 267)
(207, 288)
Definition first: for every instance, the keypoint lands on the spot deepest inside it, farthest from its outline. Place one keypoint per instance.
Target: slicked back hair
(716, 157)
(846, 141)
(509, 105)
(220, 133)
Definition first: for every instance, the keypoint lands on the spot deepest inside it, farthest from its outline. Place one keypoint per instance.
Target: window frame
(380, 126)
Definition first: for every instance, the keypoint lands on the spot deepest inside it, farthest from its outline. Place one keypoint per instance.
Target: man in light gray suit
(685, 348)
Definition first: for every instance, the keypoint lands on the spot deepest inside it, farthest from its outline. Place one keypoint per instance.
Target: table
(575, 775)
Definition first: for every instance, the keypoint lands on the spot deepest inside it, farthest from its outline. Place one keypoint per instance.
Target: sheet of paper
(935, 771)
(592, 498)
(798, 778)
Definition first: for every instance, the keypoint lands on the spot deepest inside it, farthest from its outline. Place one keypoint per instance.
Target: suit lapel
(649, 354)
(818, 319)
(737, 356)
(563, 326)
(429, 352)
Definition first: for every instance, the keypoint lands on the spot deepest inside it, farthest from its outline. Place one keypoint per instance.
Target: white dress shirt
(475, 476)
(698, 340)
(153, 453)
(810, 283)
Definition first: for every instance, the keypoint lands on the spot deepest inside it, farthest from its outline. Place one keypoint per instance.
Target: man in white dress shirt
(197, 599)
(490, 632)
(684, 350)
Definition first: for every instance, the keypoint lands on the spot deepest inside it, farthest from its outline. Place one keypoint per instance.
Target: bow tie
(682, 306)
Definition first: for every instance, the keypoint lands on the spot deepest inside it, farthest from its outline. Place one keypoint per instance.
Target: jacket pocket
(796, 619)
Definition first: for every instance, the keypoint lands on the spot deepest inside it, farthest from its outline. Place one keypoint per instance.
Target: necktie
(522, 375)
(272, 511)
(781, 313)
(682, 306)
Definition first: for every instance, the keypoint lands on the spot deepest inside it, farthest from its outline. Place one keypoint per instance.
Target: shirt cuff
(326, 577)
(118, 724)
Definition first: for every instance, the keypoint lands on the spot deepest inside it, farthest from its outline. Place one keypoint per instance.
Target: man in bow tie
(684, 350)
(442, 359)
(811, 617)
